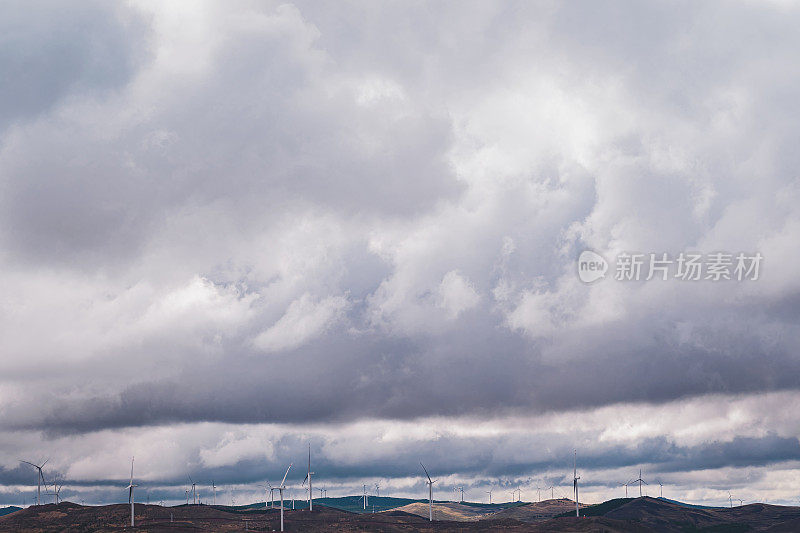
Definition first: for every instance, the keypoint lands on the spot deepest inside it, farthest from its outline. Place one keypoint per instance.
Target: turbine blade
(286, 474)
(426, 470)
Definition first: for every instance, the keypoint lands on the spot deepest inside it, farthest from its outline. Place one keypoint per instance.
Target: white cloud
(456, 294)
(304, 320)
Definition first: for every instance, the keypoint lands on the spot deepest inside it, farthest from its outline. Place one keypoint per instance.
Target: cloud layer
(262, 224)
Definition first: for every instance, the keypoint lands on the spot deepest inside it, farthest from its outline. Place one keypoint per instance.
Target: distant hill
(447, 511)
(692, 505)
(623, 515)
(663, 515)
(8, 510)
(537, 511)
(353, 504)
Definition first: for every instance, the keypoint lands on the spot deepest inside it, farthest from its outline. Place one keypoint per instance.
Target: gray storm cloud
(257, 214)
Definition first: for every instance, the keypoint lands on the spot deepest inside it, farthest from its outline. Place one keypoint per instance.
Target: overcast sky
(228, 229)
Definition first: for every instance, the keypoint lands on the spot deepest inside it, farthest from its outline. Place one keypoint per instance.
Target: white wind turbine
(39, 479)
(457, 489)
(280, 488)
(214, 488)
(364, 497)
(489, 492)
(194, 491)
(575, 479)
(308, 477)
(640, 481)
(430, 483)
(130, 491)
(56, 494)
(271, 496)
(57, 490)
(378, 490)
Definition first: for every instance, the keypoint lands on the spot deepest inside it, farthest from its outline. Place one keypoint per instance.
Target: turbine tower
(280, 488)
(56, 494)
(214, 488)
(430, 483)
(271, 495)
(130, 491)
(640, 481)
(57, 490)
(194, 491)
(457, 489)
(489, 492)
(308, 477)
(575, 479)
(364, 497)
(39, 479)
(378, 490)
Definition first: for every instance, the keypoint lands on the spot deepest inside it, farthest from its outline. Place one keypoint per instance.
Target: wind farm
(369, 511)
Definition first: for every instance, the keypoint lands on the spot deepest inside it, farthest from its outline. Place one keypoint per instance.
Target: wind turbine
(39, 479)
(730, 498)
(378, 490)
(660, 490)
(194, 491)
(640, 481)
(280, 488)
(214, 488)
(430, 483)
(56, 490)
(575, 479)
(308, 477)
(187, 491)
(489, 492)
(364, 497)
(271, 495)
(130, 491)
(462, 493)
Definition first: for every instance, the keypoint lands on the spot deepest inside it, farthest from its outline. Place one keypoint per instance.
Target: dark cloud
(50, 52)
